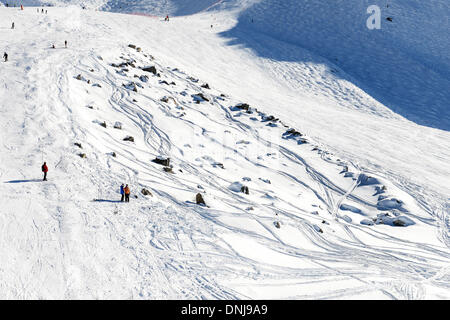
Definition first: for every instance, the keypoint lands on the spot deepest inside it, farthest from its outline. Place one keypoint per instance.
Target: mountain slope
(312, 226)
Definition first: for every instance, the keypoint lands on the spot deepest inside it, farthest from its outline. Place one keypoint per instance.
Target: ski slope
(324, 199)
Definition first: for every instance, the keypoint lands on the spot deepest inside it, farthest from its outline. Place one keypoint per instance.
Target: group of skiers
(124, 189)
(125, 193)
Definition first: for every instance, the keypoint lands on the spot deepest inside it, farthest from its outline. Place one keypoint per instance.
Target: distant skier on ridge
(5, 56)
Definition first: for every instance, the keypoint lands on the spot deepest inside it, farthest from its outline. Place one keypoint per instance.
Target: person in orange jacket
(127, 193)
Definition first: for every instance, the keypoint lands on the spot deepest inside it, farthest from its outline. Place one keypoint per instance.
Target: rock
(145, 192)
(78, 145)
(199, 97)
(128, 138)
(90, 107)
(151, 69)
(399, 223)
(389, 19)
(103, 124)
(168, 169)
(130, 86)
(143, 78)
(162, 161)
(318, 229)
(78, 77)
(242, 106)
(265, 180)
(269, 118)
(277, 224)
(118, 125)
(236, 186)
(367, 222)
(138, 49)
(206, 86)
(164, 99)
(132, 46)
(244, 189)
(293, 132)
(199, 199)
(114, 154)
(218, 164)
(82, 155)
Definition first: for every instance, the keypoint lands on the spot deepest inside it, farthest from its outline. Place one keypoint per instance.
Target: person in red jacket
(45, 170)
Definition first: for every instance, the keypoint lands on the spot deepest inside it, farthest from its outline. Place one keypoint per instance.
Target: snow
(373, 142)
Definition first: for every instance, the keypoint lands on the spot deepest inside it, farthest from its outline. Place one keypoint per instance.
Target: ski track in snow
(56, 242)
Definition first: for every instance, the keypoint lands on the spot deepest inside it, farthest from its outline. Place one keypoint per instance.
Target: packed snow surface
(340, 135)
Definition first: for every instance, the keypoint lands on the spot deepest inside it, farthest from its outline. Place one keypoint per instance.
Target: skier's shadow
(104, 200)
(23, 181)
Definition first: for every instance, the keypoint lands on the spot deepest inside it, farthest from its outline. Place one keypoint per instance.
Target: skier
(65, 43)
(45, 170)
(167, 18)
(12, 27)
(5, 56)
(122, 192)
(127, 193)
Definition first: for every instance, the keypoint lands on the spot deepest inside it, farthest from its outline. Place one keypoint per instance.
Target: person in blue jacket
(122, 192)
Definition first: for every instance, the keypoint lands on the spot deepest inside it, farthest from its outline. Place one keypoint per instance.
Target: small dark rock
(151, 69)
(162, 161)
(168, 169)
(199, 199)
(244, 189)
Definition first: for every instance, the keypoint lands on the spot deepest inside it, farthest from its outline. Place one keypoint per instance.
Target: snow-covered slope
(315, 224)
(153, 7)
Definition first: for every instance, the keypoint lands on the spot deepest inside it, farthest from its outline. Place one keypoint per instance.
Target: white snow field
(341, 135)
